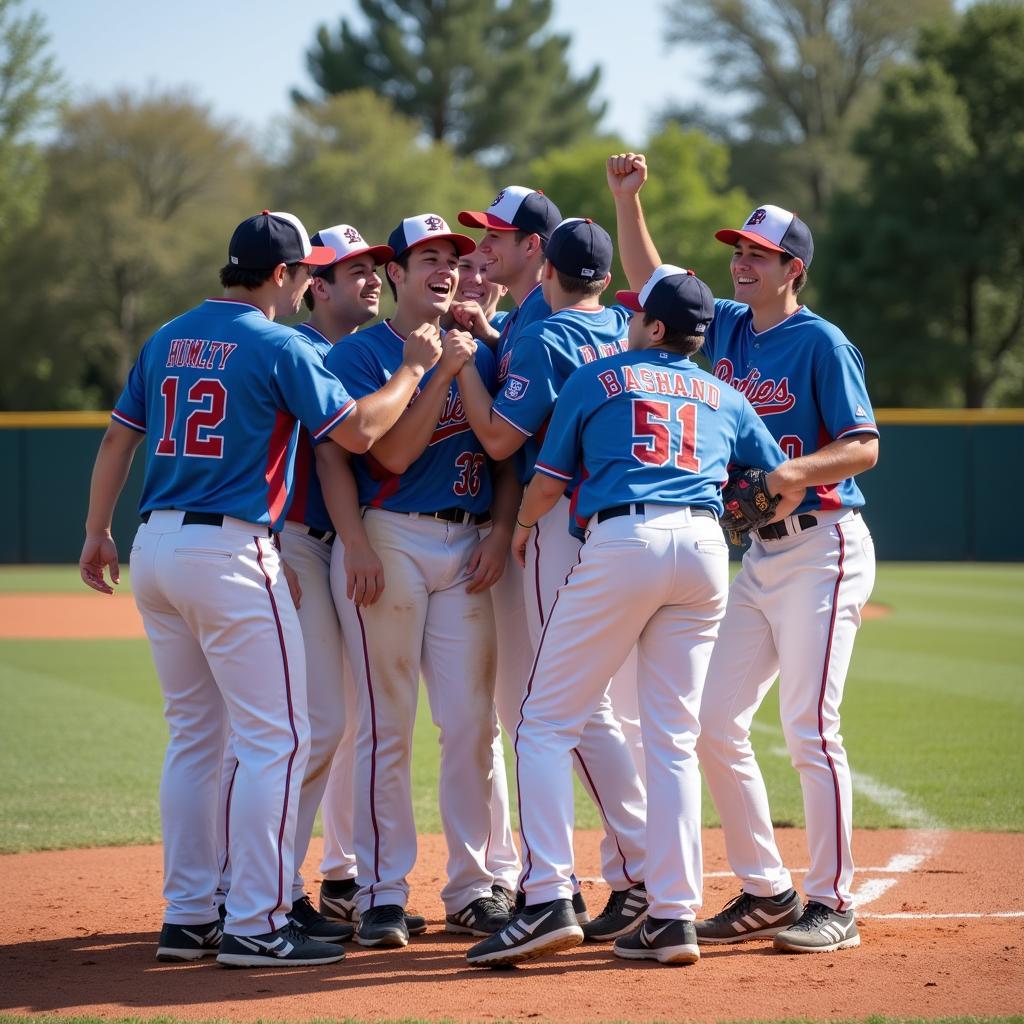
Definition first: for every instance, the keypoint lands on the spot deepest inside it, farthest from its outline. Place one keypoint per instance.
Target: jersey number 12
(211, 397)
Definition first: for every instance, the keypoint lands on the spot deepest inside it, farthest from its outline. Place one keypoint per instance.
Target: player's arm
(842, 458)
(364, 571)
(499, 438)
(405, 442)
(109, 473)
(487, 562)
(626, 173)
(470, 317)
(541, 497)
(377, 413)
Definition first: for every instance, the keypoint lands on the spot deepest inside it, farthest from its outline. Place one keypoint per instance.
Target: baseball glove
(749, 504)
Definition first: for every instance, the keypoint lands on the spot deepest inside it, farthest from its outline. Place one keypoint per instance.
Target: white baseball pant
(604, 759)
(657, 580)
(228, 651)
(427, 619)
(795, 606)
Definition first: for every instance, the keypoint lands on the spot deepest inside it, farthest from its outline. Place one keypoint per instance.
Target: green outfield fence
(943, 487)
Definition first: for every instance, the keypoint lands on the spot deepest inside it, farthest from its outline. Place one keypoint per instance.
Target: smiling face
(426, 285)
(758, 275)
(355, 291)
(506, 258)
(475, 285)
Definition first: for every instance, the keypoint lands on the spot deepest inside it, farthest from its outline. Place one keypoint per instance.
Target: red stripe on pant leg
(536, 573)
(821, 723)
(373, 756)
(604, 817)
(291, 722)
(527, 856)
(227, 819)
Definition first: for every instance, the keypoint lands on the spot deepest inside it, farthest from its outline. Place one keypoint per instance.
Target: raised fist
(626, 173)
(458, 348)
(422, 347)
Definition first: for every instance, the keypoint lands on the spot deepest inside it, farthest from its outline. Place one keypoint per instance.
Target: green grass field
(932, 719)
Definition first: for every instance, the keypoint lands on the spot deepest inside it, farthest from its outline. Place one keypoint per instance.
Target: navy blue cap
(580, 248)
(774, 228)
(264, 241)
(676, 297)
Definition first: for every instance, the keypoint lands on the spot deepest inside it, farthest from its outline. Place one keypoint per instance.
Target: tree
(352, 159)
(925, 263)
(482, 75)
(29, 93)
(143, 195)
(807, 68)
(685, 199)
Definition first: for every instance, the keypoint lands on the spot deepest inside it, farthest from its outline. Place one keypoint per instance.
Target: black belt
(327, 536)
(455, 515)
(201, 519)
(638, 508)
(776, 531)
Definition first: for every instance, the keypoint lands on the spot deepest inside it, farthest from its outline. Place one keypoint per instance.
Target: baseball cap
(516, 208)
(580, 248)
(347, 242)
(425, 228)
(775, 229)
(264, 241)
(676, 297)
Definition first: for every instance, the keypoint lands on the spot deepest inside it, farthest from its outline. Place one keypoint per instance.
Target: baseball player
(215, 393)
(795, 607)
(579, 330)
(426, 490)
(477, 289)
(656, 435)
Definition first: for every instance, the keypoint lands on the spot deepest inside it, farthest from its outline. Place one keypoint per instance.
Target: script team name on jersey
(766, 395)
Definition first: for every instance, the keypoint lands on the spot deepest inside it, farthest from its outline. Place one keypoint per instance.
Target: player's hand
(458, 348)
(364, 574)
(292, 579)
(626, 173)
(98, 553)
(470, 317)
(487, 562)
(422, 348)
(520, 538)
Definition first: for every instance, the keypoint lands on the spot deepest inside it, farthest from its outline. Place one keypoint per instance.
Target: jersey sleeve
(353, 364)
(487, 367)
(309, 391)
(560, 454)
(754, 444)
(130, 408)
(531, 385)
(843, 394)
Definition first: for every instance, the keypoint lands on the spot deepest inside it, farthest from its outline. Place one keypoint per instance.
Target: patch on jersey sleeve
(515, 387)
(860, 413)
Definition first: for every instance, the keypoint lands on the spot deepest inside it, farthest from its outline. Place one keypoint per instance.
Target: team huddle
(524, 510)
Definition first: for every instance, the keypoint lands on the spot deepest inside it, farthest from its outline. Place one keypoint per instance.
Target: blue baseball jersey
(217, 391)
(534, 307)
(498, 320)
(307, 505)
(453, 471)
(804, 378)
(650, 426)
(545, 356)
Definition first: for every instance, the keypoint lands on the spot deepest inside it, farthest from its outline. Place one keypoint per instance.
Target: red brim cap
(463, 243)
(730, 236)
(320, 256)
(631, 300)
(378, 253)
(476, 219)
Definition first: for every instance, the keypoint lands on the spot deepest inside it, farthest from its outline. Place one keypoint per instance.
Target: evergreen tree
(482, 75)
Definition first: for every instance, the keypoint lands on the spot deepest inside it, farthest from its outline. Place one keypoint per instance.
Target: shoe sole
(255, 960)
(788, 947)
(553, 942)
(392, 940)
(170, 955)
(609, 936)
(763, 933)
(686, 954)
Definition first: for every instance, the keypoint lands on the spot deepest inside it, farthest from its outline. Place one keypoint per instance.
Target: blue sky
(244, 58)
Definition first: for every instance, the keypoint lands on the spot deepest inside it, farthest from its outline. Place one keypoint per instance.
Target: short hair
(587, 287)
(241, 277)
(520, 235)
(679, 341)
(801, 279)
(327, 273)
(402, 259)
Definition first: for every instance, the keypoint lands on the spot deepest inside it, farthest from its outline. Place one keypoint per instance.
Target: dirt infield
(79, 931)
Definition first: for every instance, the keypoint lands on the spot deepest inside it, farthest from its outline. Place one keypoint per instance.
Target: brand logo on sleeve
(515, 387)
